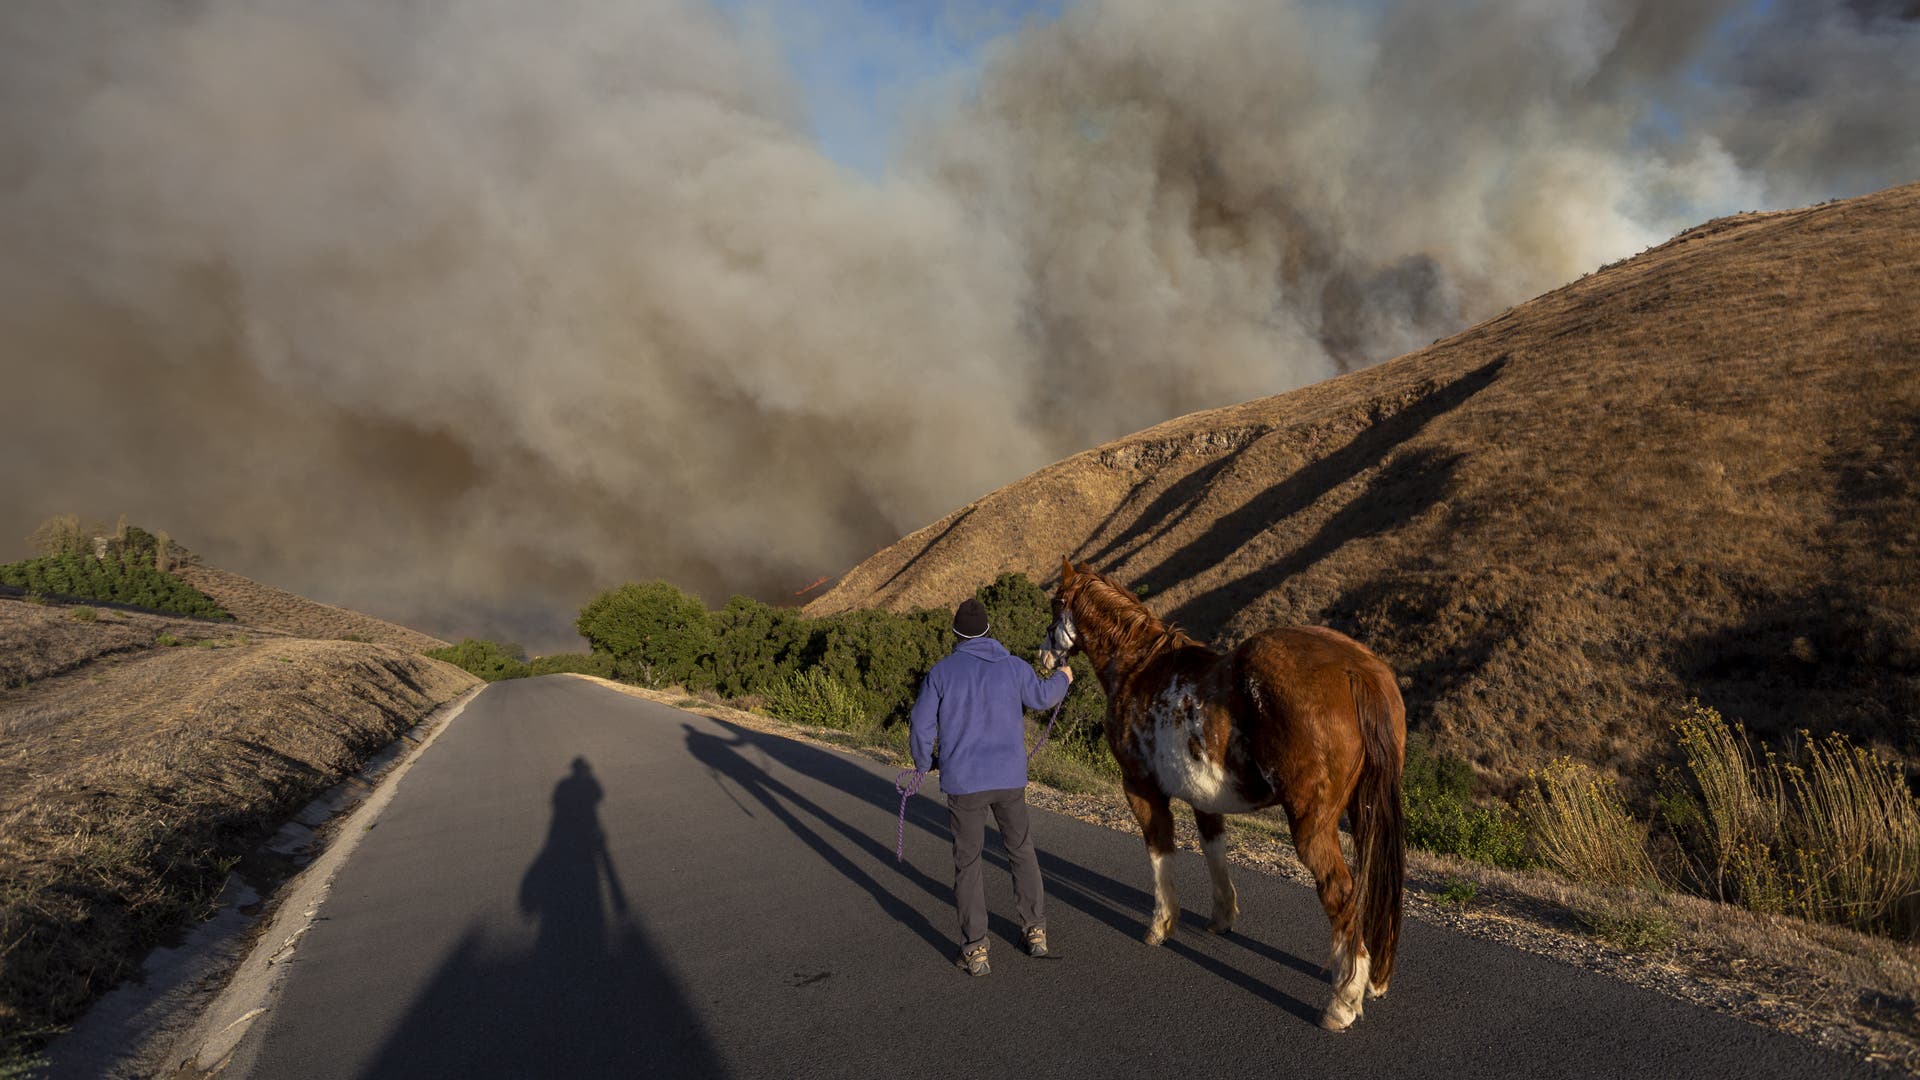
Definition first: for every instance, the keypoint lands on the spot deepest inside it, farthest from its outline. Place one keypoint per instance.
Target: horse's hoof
(1376, 992)
(1339, 1017)
(1221, 927)
(1154, 937)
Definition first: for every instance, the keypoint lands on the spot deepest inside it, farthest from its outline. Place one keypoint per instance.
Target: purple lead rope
(907, 791)
(1049, 731)
(908, 788)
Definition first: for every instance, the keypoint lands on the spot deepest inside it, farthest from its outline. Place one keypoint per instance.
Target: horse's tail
(1380, 827)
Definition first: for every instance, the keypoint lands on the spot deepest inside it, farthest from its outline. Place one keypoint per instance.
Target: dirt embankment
(134, 772)
(265, 607)
(39, 641)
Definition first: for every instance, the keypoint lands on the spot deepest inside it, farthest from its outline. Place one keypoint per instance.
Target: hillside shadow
(1827, 660)
(1166, 510)
(929, 546)
(1417, 623)
(1120, 907)
(593, 996)
(1407, 487)
(1841, 652)
(1308, 485)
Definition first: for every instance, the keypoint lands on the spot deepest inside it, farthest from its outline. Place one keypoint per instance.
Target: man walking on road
(972, 704)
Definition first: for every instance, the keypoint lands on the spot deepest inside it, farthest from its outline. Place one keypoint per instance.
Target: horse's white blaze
(1175, 744)
(1059, 639)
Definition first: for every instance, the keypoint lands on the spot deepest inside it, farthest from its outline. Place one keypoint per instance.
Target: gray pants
(967, 817)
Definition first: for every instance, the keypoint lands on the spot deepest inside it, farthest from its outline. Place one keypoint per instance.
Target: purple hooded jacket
(973, 702)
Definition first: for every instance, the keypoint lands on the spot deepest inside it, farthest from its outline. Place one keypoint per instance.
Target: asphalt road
(696, 899)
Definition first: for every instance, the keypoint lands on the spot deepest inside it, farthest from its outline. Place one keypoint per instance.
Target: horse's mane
(1103, 606)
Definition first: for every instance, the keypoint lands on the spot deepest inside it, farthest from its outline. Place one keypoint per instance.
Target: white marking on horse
(1176, 747)
(1060, 639)
(1350, 970)
(1166, 901)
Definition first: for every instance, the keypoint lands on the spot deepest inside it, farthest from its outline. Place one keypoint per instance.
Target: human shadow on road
(591, 998)
(723, 755)
(1121, 907)
(561, 890)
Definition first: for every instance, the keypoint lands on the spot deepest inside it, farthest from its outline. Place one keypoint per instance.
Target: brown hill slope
(266, 607)
(1694, 472)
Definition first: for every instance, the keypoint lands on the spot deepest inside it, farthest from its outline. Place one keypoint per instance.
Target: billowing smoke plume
(458, 312)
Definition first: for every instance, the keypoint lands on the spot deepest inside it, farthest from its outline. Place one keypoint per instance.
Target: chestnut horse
(1304, 718)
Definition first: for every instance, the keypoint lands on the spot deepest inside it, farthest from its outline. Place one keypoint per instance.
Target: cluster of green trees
(655, 635)
(493, 661)
(129, 574)
(860, 670)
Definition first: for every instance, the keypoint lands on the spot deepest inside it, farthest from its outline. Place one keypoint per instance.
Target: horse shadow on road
(591, 998)
(1120, 907)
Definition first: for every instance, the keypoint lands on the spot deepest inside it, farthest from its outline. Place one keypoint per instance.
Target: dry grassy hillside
(266, 607)
(141, 753)
(1694, 472)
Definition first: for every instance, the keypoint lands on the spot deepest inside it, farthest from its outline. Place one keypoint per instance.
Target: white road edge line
(208, 1046)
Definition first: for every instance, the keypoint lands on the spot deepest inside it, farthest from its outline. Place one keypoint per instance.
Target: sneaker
(973, 959)
(1036, 941)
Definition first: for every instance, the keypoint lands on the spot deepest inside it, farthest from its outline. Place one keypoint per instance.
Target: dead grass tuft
(1579, 825)
(1831, 834)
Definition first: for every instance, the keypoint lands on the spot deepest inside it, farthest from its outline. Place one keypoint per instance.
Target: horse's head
(1062, 638)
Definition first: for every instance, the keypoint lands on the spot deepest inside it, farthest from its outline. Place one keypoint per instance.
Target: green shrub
(1083, 717)
(487, 659)
(755, 645)
(119, 578)
(1443, 817)
(1071, 762)
(656, 634)
(817, 698)
(880, 656)
(1018, 613)
(83, 614)
(599, 664)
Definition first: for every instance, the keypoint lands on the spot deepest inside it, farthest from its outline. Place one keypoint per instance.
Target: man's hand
(1068, 668)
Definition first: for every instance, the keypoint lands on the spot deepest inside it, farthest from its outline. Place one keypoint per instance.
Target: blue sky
(864, 64)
